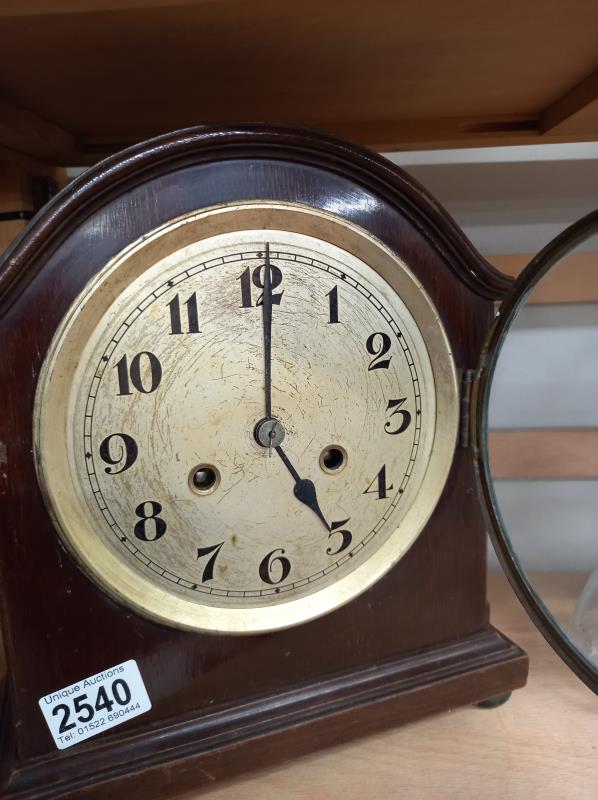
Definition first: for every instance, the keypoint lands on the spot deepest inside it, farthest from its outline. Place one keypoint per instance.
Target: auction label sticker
(95, 704)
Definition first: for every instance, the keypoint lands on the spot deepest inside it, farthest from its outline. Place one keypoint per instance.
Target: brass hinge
(466, 390)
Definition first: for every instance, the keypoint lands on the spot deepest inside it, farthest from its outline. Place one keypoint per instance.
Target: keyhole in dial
(204, 479)
(333, 458)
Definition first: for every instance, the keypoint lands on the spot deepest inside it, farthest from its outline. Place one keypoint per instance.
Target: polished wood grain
(574, 280)
(565, 453)
(25, 8)
(540, 744)
(416, 643)
(389, 75)
(205, 144)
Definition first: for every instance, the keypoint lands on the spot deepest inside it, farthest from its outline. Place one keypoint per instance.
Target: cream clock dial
(246, 419)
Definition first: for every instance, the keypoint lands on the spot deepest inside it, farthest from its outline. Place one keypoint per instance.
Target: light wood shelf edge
(565, 453)
(574, 280)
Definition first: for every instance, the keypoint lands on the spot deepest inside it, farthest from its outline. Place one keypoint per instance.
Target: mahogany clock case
(418, 642)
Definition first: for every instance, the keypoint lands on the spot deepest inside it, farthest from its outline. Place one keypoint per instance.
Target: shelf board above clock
(83, 78)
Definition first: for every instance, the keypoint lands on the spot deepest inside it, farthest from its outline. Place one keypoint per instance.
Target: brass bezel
(51, 418)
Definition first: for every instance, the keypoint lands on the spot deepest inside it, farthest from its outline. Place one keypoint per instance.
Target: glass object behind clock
(539, 428)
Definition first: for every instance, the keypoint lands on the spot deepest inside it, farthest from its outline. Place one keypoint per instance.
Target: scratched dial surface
(167, 382)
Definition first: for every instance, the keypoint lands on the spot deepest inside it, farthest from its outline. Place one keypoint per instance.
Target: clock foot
(494, 702)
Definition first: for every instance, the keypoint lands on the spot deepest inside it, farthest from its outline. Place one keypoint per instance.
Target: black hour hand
(304, 490)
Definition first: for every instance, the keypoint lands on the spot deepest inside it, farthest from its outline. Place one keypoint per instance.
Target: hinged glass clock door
(534, 428)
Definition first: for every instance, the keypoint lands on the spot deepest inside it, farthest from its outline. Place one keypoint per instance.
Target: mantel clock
(243, 485)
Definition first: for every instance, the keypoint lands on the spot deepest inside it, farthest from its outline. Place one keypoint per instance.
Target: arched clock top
(128, 170)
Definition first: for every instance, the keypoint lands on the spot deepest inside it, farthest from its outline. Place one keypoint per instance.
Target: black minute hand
(267, 324)
(304, 490)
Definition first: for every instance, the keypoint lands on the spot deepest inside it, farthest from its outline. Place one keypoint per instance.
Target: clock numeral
(248, 276)
(138, 379)
(127, 452)
(381, 487)
(404, 416)
(208, 572)
(378, 348)
(159, 526)
(245, 278)
(336, 527)
(333, 304)
(267, 564)
(192, 315)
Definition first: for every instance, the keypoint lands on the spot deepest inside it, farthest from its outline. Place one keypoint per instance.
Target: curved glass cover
(536, 440)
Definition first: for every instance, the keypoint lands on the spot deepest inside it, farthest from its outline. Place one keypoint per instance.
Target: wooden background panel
(9, 230)
(24, 187)
(545, 453)
(16, 196)
(574, 280)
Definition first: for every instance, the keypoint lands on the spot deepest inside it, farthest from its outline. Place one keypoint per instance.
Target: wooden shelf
(574, 280)
(83, 78)
(542, 743)
(565, 453)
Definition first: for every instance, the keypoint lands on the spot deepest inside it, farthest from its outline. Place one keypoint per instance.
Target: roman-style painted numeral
(381, 487)
(378, 345)
(176, 325)
(140, 380)
(404, 417)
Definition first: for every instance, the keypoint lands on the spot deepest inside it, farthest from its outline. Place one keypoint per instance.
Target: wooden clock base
(195, 752)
